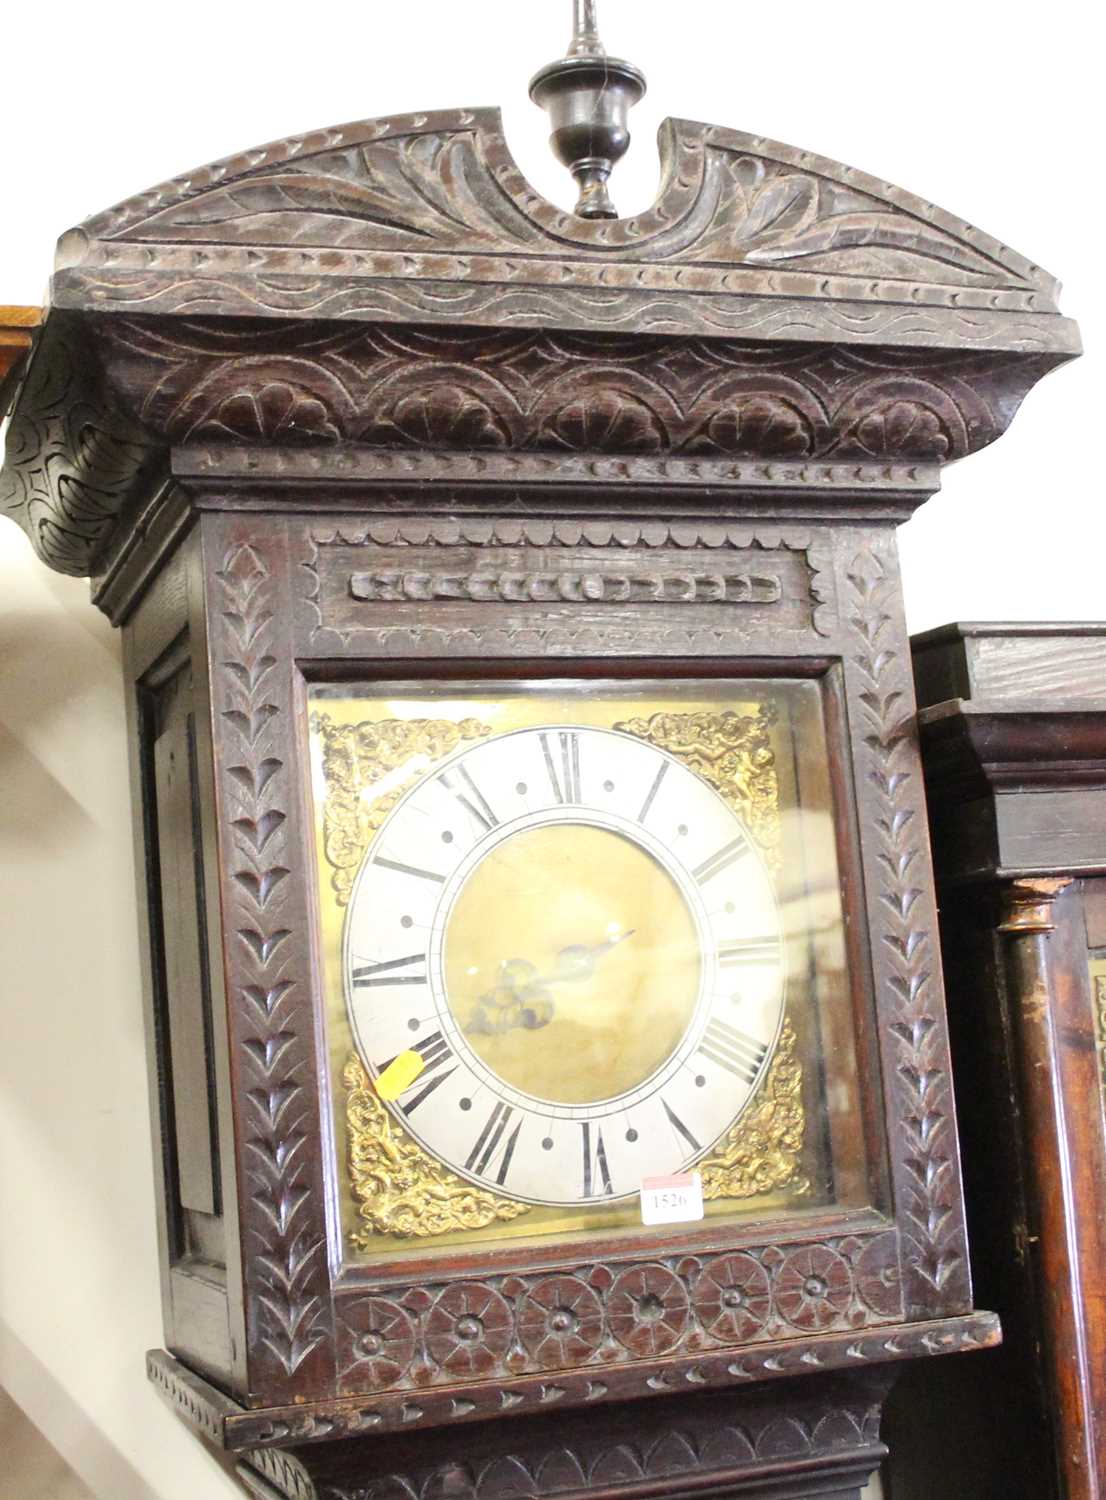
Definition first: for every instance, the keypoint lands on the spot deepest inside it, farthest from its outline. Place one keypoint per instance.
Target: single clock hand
(578, 962)
(521, 998)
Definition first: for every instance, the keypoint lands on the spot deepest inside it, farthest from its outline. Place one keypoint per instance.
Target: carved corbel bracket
(74, 457)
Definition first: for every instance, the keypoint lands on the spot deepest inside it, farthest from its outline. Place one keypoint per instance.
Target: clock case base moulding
(361, 404)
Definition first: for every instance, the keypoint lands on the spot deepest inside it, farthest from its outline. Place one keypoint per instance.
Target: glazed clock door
(578, 936)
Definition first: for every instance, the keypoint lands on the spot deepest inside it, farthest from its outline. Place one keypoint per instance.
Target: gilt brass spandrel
(399, 1188)
(367, 767)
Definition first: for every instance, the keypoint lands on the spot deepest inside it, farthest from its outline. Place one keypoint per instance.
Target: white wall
(968, 105)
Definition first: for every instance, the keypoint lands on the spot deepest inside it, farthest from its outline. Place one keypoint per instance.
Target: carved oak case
(360, 413)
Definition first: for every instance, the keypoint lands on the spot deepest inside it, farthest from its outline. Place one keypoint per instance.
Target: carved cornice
(426, 218)
(500, 398)
(394, 298)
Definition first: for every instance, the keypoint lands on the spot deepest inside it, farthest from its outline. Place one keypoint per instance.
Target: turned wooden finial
(589, 97)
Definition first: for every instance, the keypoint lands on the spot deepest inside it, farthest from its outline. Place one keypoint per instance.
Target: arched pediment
(427, 218)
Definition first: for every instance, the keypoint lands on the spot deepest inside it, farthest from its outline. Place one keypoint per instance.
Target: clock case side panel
(165, 662)
(902, 912)
(266, 912)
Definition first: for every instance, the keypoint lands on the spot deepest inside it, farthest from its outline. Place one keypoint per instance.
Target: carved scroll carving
(427, 218)
(73, 457)
(628, 587)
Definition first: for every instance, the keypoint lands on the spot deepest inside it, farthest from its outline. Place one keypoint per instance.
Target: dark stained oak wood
(359, 405)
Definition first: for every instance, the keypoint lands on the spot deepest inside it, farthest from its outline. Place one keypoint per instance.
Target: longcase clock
(547, 1043)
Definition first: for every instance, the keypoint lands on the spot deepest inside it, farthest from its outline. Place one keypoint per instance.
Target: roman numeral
(565, 756)
(679, 1126)
(470, 797)
(370, 974)
(436, 1053)
(595, 1161)
(722, 860)
(653, 790)
(394, 864)
(750, 950)
(505, 1164)
(733, 1050)
(489, 1138)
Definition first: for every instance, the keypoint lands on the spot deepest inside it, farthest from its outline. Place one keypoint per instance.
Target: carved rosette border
(905, 950)
(287, 1286)
(597, 1316)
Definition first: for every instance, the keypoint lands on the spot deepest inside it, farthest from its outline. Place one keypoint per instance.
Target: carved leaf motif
(610, 421)
(769, 215)
(903, 429)
(287, 1256)
(276, 411)
(784, 205)
(935, 1244)
(760, 425)
(418, 191)
(449, 414)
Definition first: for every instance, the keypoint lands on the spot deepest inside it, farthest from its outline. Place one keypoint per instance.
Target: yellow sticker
(400, 1074)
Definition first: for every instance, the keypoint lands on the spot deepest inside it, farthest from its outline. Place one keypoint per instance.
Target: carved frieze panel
(518, 581)
(519, 391)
